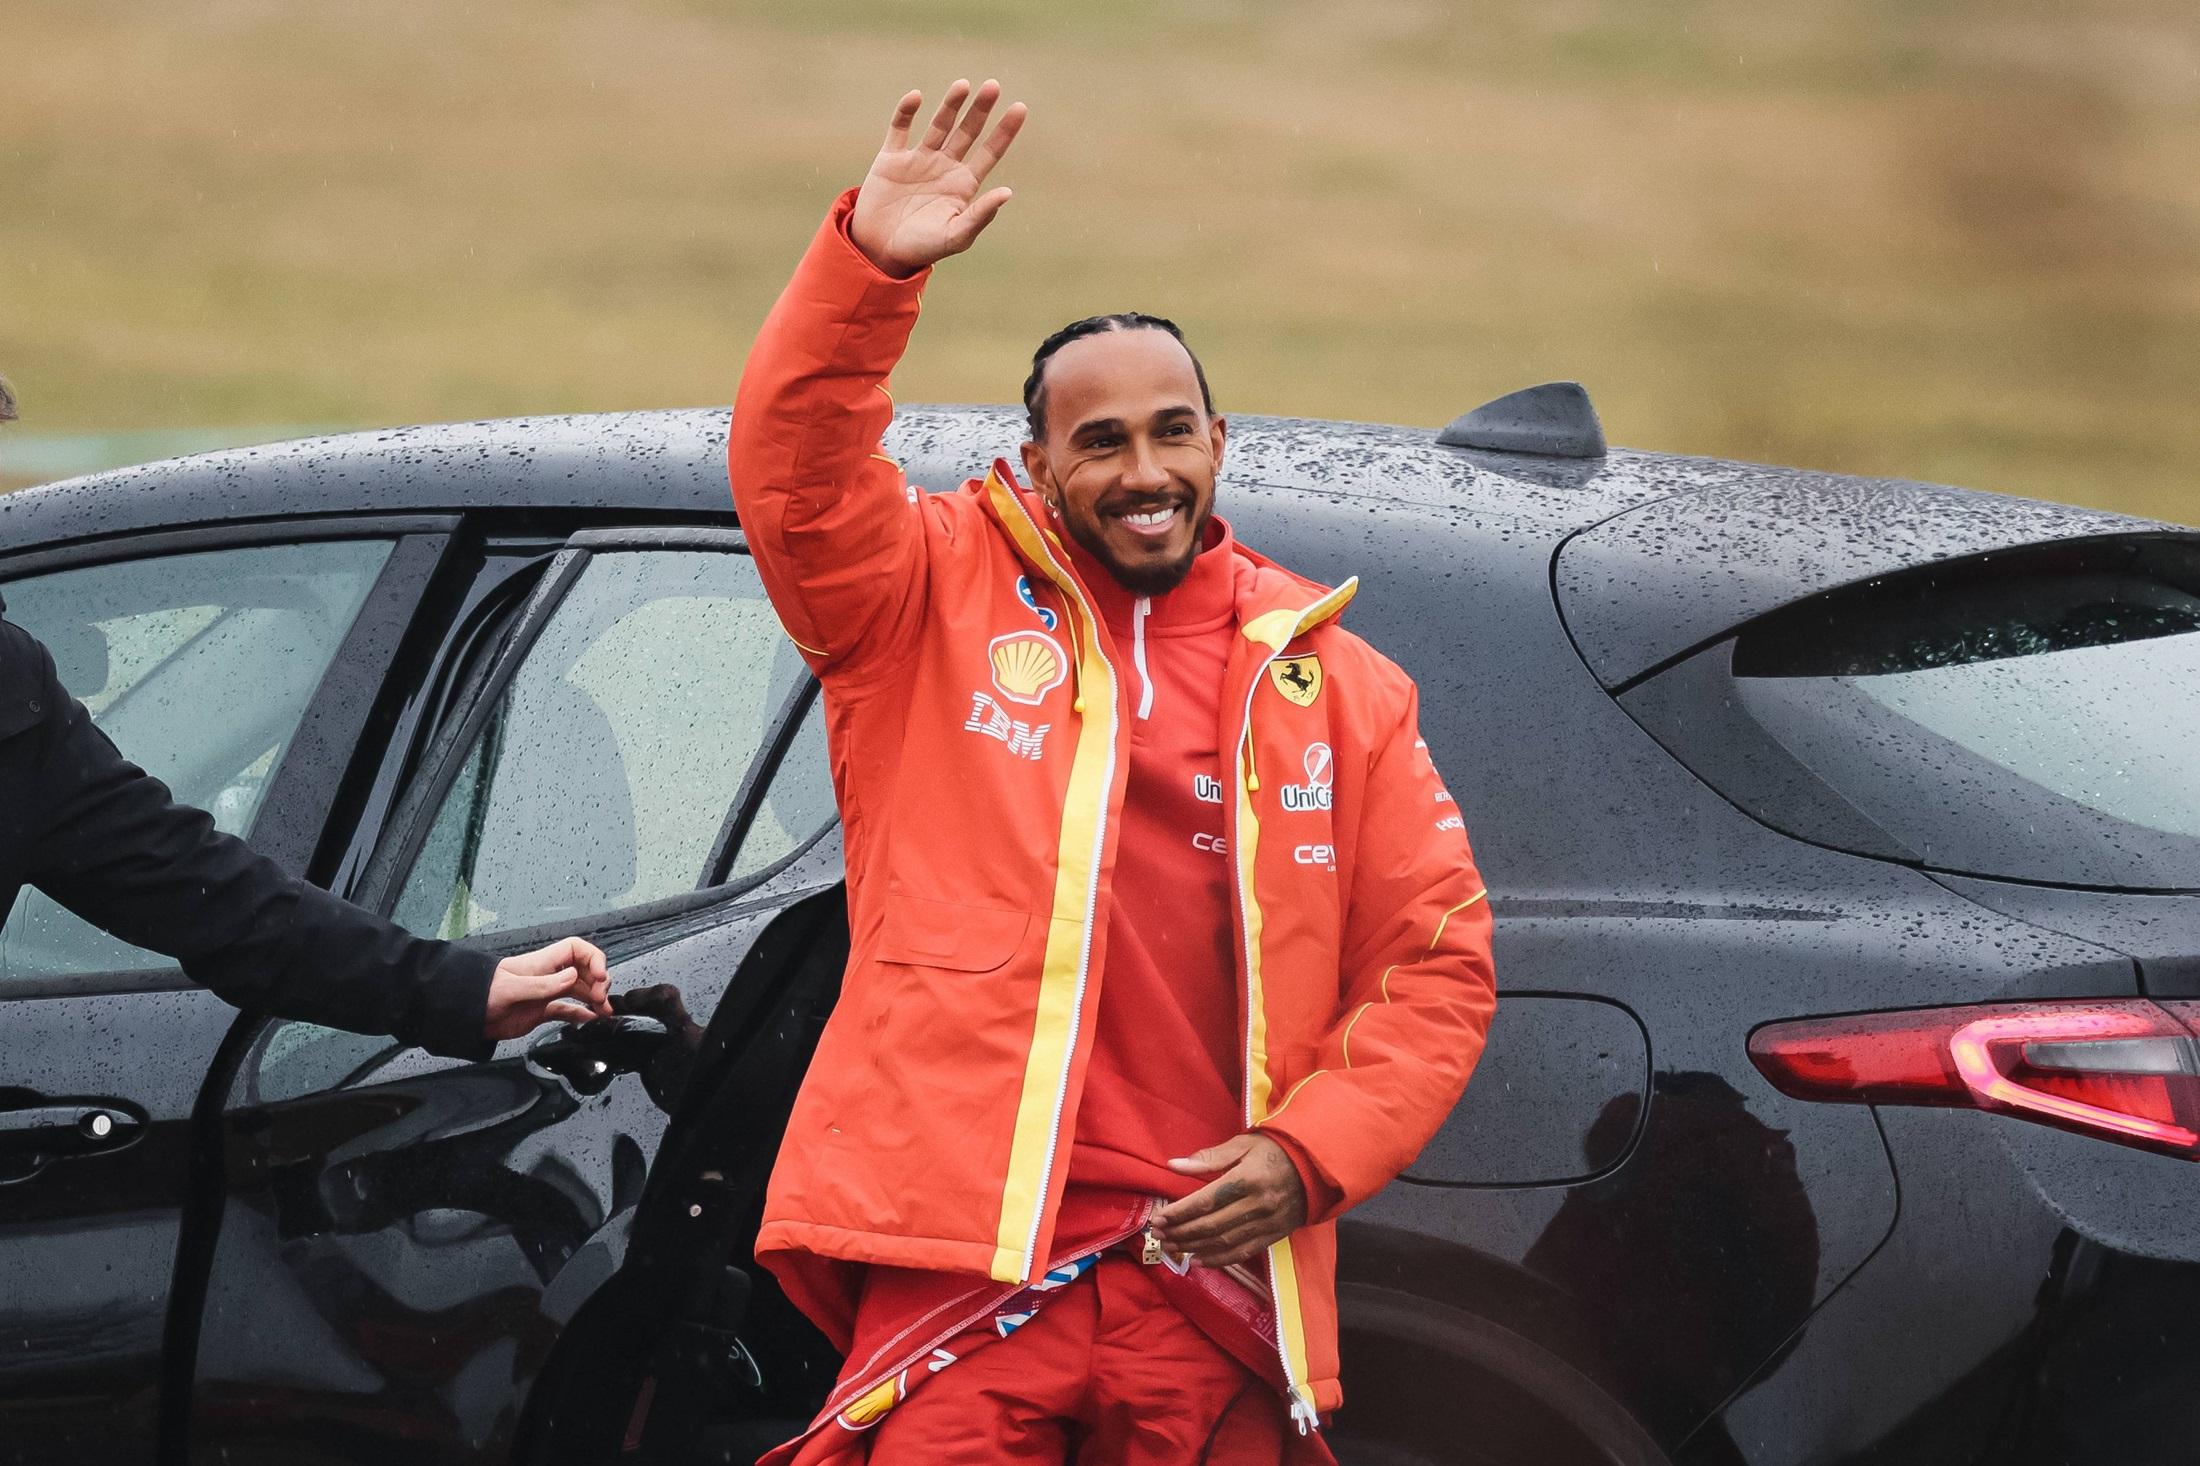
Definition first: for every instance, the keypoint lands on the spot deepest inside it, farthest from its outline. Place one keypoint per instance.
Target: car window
(2028, 718)
(797, 804)
(605, 772)
(199, 666)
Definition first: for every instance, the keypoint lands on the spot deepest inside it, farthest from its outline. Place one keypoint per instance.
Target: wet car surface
(510, 679)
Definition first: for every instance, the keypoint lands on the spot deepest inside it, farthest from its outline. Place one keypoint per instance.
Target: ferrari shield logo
(1297, 678)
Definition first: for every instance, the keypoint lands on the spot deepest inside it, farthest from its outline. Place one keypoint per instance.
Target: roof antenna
(1555, 420)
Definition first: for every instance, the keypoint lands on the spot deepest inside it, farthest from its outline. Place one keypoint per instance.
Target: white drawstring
(1138, 656)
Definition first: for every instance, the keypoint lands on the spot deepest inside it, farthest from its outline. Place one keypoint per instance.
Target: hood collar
(1206, 597)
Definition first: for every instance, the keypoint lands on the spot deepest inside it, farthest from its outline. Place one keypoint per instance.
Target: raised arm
(827, 514)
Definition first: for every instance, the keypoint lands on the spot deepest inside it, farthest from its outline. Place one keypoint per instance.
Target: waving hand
(921, 201)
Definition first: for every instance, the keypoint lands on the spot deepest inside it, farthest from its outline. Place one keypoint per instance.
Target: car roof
(672, 461)
(1661, 552)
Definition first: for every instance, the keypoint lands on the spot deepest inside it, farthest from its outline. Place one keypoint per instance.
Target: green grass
(1955, 240)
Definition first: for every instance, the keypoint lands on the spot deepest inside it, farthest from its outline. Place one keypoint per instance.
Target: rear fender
(1430, 1382)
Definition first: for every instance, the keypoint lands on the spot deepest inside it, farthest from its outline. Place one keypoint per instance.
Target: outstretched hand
(565, 981)
(921, 202)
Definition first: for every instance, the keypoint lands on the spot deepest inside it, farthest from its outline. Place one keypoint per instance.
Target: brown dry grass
(1932, 238)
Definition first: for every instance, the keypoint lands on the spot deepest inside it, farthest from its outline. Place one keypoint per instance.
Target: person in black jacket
(106, 840)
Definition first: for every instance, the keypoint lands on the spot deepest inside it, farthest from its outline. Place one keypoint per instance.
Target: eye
(1177, 430)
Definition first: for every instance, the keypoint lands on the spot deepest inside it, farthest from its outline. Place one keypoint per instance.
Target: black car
(1845, 841)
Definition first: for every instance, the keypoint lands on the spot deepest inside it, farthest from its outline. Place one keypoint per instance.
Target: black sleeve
(111, 844)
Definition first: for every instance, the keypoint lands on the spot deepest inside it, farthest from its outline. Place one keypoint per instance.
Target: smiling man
(1133, 467)
(1167, 943)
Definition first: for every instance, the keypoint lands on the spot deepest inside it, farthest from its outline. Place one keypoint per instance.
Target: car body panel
(1619, 875)
(2161, 932)
(1987, 1329)
(88, 1242)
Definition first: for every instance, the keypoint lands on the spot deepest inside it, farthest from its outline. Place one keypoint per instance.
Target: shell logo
(1027, 665)
(869, 1408)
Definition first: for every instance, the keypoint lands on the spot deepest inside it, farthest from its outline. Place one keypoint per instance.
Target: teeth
(1152, 517)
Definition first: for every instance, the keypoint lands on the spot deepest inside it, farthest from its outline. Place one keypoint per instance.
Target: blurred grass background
(1942, 239)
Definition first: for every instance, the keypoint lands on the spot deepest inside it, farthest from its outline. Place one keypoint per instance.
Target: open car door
(411, 1249)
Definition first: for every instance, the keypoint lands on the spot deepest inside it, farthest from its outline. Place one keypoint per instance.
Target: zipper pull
(1303, 1416)
(1149, 1246)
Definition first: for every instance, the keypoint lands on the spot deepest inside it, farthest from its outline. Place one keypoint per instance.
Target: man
(103, 838)
(1167, 943)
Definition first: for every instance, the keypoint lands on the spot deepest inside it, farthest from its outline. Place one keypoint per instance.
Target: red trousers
(1108, 1373)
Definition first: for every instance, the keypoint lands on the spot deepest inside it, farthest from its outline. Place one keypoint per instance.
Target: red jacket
(978, 756)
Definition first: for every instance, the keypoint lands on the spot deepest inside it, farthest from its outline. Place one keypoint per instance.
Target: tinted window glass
(606, 771)
(2030, 720)
(798, 804)
(199, 667)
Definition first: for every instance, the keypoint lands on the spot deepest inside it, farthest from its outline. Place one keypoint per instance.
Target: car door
(236, 664)
(404, 1238)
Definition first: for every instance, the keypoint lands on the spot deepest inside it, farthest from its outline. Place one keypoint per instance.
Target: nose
(1144, 472)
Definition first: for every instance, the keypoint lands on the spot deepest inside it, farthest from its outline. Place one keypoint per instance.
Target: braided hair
(1035, 393)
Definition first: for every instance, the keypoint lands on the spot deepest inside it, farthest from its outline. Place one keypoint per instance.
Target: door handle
(54, 1129)
(590, 1055)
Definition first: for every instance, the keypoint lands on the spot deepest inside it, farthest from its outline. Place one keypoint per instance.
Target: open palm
(922, 201)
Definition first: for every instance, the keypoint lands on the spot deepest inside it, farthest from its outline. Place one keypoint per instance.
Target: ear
(1035, 471)
(1218, 429)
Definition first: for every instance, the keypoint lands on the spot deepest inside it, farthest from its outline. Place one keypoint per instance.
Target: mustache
(1143, 503)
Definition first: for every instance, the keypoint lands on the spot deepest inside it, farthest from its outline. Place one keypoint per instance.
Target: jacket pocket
(948, 934)
(1289, 1064)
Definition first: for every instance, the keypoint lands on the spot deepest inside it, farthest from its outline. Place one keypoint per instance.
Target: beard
(1150, 579)
(1144, 577)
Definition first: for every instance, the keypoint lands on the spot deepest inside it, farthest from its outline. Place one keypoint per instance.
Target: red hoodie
(1165, 1073)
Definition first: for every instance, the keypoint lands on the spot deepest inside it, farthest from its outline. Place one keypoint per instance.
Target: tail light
(2125, 1069)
